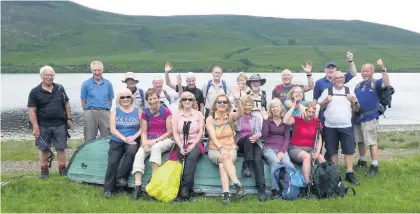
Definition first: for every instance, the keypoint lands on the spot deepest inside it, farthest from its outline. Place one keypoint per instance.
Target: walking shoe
(193, 196)
(350, 178)
(275, 194)
(261, 193)
(122, 182)
(63, 171)
(226, 198)
(184, 194)
(246, 172)
(240, 192)
(361, 164)
(107, 194)
(137, 192)
(44, 173)
(373, 171)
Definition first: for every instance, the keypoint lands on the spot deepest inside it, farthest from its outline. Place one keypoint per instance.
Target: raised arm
(385, 77)
(240, 109)
(308, 70)
(168, 68)
(352, 66)
(288, 117)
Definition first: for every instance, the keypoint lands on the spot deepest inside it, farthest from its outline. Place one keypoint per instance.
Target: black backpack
(327, 181)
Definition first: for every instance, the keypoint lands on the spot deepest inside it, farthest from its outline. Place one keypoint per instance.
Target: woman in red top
(303, 139)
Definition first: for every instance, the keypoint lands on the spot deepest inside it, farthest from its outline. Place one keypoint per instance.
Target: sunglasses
(222, 102)
(125, 97)
(187, 99)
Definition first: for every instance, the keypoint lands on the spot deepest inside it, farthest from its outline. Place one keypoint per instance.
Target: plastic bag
(164, 185)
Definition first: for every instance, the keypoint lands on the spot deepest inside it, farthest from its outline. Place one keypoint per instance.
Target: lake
(15, 89)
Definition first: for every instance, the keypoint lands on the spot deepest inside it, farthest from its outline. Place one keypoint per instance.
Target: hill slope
(70, 36)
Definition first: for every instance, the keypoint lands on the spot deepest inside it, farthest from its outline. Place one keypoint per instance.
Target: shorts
(295, 150)
(366, 132)
(334, 136)
(48, 136)
(214, 155)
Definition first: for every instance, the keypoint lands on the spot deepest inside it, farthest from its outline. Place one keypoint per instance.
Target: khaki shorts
(366, 132)
(214, 155)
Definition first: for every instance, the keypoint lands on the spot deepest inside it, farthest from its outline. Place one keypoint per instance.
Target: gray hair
(45, 67)
(190, 75)
(92, 64)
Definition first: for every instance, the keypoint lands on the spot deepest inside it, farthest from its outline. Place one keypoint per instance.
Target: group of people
(236, 120)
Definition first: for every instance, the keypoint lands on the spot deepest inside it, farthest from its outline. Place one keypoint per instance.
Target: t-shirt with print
(157, 126)
(284, 90)
(304, 132)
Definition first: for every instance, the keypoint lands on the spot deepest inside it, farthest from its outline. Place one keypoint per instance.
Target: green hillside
(69, 36)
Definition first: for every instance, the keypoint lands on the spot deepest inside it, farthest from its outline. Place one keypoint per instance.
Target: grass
(395, 189)
(69, 36)
(399, 140)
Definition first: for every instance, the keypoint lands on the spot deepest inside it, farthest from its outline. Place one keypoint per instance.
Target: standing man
(366, 120)
(214, 87)
(191, 86)
(49, 113)
(96, 95)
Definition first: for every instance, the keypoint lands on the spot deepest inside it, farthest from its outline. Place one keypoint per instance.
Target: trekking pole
(318, 132)
(41, 140)
(13, 178)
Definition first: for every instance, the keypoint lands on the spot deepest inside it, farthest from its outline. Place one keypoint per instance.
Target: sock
(375, 162)
(362, 158)
(137, 183)
(61, 166)
(237, 182)
(349, 171)
(44, 167)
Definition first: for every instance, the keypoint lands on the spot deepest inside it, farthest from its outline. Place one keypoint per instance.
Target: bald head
(286, 77)
(338, 79)
(367, 71)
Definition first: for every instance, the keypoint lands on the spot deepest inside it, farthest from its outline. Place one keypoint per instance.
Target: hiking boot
(193, 196)
(373, 171)
(275, 194)
(184, 194)
(350, 178)
(240, 192)
(246, 172)
(122, 182)
(137, 192)
(261, 193)
(226, 198)
(44, 173)
(107, 194)
(63, 171)
(361, 164)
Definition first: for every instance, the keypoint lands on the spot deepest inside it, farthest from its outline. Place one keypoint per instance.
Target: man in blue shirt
(320, 85)
(365, 122)
(97, 94)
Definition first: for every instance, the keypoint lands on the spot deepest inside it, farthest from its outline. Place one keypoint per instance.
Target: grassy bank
(396, 189)
(25, 150)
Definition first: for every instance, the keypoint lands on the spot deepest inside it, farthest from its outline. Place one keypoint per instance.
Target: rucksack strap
(229, 122)
(224, 86)
(331, 93)
(167, 96)
(208, 87)
(278, 87)
(142, 98)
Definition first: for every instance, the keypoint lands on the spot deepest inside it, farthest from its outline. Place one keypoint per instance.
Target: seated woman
(277, 136)
(223, 149)
(155, 136)
(124, 125)
(302, 144)
(248, 133)
(188, 126)
(297, 94)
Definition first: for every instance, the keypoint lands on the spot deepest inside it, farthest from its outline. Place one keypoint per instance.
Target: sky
(401, 13)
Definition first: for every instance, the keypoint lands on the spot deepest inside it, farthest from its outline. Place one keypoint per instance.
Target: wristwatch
(383, 70)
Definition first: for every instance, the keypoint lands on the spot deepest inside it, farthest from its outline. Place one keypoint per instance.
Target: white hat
(130, 75)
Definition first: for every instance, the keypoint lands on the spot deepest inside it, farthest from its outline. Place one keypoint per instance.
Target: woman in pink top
(194, 148)
(156, 138)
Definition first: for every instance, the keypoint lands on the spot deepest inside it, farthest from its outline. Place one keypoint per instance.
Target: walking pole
(318, 132)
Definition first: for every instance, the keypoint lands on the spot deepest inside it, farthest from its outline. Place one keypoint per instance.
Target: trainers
(63, 171)
(44, 173)
(361, 164)
(137, 192)
(261, 193)
(275, 194)
(107, 194)
(122, 182)
(226, 198)
(246, 172)
(373, 171)
(240, 192)
(350, 178)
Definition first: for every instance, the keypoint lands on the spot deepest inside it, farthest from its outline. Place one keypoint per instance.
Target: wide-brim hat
(130, 75)
(256, 77)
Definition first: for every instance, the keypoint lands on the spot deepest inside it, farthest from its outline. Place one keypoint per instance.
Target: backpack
(326, 181)
(384, 97)
(278, 87)
(167, 97)
(142, 98)
(290, 181)
(263, 99)
(209, 84)
(149, 115)
(330, 91)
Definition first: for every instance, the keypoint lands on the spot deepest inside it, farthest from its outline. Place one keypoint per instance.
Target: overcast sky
(401, 13)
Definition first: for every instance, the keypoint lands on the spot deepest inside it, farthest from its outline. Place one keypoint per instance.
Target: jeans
(253, 153)
(115, 153)
(270, 156)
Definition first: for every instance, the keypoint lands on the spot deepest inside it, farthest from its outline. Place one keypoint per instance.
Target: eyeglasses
(125, 97)
(187, 99)
(222, 102)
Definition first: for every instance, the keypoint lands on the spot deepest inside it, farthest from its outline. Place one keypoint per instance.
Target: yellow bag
(164, 185)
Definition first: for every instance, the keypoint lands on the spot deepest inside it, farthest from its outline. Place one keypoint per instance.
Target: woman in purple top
(156, 138)
(248, 133)
(277, 136)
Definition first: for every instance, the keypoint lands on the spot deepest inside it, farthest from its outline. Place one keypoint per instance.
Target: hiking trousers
(253, 153)
(190, 167)
(115, 154)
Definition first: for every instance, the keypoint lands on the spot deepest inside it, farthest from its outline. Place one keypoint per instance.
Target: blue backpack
(290, 181)
(209, 84)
